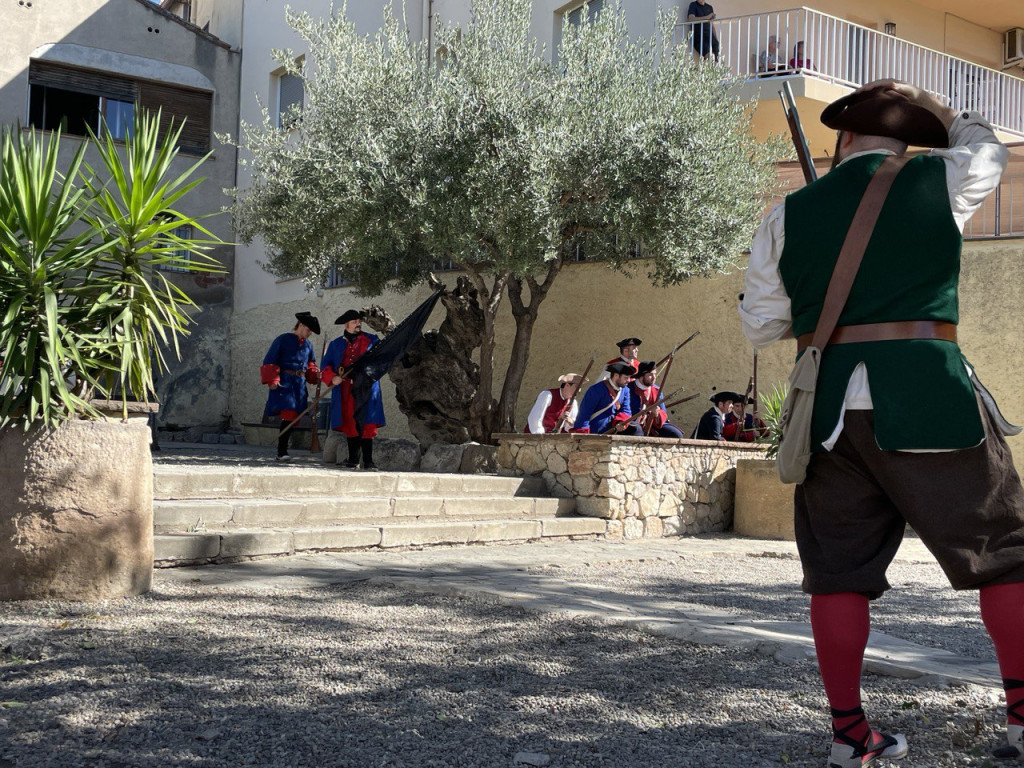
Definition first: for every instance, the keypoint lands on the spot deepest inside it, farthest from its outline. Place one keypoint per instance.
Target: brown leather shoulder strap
(856, 242)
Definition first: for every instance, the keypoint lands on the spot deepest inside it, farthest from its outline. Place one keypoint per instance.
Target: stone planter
(764, 504)
(77, 518)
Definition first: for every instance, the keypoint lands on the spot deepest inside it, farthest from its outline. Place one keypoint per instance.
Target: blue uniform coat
(289, 354)
(596, 399)
(334, 359)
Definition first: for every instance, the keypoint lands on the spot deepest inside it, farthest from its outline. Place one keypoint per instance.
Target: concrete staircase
(207, 513)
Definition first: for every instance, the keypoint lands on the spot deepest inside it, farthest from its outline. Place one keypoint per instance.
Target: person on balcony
(873, 470)
(288, 366)
(770, 62)
(798, 61)
(705, 41)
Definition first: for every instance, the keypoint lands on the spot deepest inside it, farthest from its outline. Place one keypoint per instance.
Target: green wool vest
(922, 395)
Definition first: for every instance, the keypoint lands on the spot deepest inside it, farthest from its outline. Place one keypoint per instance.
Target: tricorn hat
(309, 321)
(568, 378)
(620, 367)
(349, 316)
(721, 397)
(645, 367)
(886, 112)
(630, 342)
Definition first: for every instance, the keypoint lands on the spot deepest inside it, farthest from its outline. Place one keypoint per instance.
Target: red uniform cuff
(270, 374)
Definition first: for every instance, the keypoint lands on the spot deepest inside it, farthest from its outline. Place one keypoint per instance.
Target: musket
(559, 424)
(309, 408)
(637, 417)
(314, 443)
(741, 423)
(678, 346)
(685, 399)
(755, 388)
(803, 151)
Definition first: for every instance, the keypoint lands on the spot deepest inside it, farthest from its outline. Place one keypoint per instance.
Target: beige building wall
(135, 38)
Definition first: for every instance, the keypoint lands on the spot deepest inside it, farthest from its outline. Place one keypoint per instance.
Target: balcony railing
(848, 54)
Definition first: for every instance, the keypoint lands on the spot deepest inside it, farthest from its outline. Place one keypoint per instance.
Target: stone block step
(229, 546)
(208, 482)
(183, 515)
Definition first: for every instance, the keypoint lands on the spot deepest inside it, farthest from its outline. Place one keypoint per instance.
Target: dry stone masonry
(644, 487)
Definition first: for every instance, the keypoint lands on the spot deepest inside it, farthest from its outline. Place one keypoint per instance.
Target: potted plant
(764, 504)
(87, 317)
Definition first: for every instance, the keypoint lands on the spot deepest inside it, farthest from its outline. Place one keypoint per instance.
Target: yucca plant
(770, 407)
(86, 311)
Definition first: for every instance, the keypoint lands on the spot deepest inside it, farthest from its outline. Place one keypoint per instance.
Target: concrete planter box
(764, 504)
(645, 486)
(77, 518)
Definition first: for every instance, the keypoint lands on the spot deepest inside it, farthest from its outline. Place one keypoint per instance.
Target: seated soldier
(713, 421)
(605, 406)
(752, 428)
(629, 353)
(643, 392)
(554, 403)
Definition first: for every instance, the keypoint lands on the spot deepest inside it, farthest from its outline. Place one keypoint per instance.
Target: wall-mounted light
(890, 27)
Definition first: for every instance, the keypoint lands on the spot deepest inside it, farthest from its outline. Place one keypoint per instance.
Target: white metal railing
(849, 54)
(1002, 213)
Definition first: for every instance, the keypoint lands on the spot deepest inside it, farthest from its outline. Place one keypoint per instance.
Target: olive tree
(500, 159)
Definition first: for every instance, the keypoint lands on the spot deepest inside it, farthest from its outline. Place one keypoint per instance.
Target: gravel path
(369, 673)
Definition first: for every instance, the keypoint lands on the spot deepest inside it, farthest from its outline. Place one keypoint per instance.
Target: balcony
(844, 55)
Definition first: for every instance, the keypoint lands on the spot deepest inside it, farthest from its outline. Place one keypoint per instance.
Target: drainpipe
(430, 30)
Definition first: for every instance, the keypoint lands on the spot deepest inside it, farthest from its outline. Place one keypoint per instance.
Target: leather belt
(900, 330)
(295, 373)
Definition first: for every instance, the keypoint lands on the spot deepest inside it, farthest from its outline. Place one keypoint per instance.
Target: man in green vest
(876, 467)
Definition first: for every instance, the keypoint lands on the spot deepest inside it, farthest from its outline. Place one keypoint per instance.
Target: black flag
(379, 358)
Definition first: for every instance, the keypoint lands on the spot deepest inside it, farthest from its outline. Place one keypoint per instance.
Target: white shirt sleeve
(975, 161)
(765, 310)
(535, 420)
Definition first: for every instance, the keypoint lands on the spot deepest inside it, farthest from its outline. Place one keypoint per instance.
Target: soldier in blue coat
(341, 355)
(289, 365)
(605, 406)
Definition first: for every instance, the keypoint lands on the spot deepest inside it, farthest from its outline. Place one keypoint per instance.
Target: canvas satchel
(795, 421)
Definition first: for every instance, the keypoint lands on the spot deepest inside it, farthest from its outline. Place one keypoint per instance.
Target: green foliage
(498, 159)
(770, 410)
(86, 311)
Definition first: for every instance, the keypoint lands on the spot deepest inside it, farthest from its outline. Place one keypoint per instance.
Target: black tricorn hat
(886, 112)
(309, 321)
(720, 397)
(620, 367)
(645, 367)
(352, 314)
(630, 342)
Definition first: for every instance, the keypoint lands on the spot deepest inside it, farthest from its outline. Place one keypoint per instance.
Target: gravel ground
(369, 674)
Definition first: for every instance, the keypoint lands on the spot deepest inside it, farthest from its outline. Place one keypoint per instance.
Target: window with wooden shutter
(74, 100)
(177, 104)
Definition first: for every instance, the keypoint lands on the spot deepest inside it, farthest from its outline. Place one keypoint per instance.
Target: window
(290, 98)
(74, 100)
(185, 232)
(575, 16)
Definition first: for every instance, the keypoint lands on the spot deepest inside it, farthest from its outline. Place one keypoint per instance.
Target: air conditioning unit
(1013, 46)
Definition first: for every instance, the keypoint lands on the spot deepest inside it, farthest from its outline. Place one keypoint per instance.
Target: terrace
(838, 56)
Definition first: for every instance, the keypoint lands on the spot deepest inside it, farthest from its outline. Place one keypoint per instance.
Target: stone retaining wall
(644, 486)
